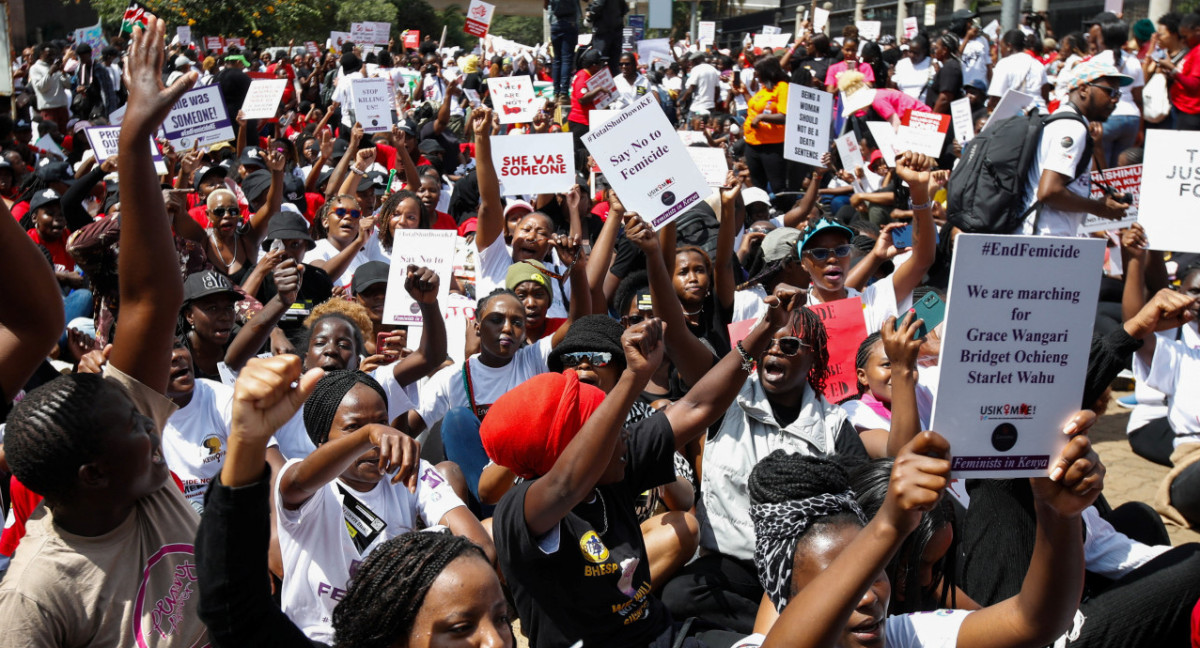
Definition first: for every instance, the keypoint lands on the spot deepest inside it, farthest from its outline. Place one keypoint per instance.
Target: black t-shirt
(583, 580)
(315, 288)
(948, 79)
(234, 85)
(817, 66)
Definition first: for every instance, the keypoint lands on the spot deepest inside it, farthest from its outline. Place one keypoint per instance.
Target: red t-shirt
(444, 221)
(18, 210)
(579, 112)
(1184, 91)
(385, 154)
(199, 213)
(58, 250)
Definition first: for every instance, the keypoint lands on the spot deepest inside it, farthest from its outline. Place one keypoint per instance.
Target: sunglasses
(342, 212)
(821, 254)
(1113, 93)
(221, 212)
(789, 345)
(593, 358)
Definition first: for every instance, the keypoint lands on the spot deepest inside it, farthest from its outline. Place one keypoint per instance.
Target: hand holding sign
(1077, 476)
(920, 474)
(421, 284)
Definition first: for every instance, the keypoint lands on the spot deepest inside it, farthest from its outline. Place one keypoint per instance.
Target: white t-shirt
(879, 302)
(1174, 370)
(1020, 72)
(937, 629)
(1151, 403)
(913, 79)
(1131, 67)
(319, 554)
(397, 398)
(491, 265)
(342, 95)
(325, 251)
(976, 57)
(445, 390)
(195, 438)
(748, 304)
(1062, 76)
(704, 78)
(1063, 144)
(631, 92)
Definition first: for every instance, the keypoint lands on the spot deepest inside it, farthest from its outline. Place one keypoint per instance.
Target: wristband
(358, 172)
(927, 205)
(747, 359)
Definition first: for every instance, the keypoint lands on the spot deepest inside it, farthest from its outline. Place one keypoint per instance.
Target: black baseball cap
(592, 57)
(43, 198)
(54, 172)
(252, 156)
(206, 283)
(369, 274)
(205, 171)
(373, 179)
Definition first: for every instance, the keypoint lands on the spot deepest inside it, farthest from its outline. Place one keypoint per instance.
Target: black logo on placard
(1004, 437)
(668, 198)
(374, 122)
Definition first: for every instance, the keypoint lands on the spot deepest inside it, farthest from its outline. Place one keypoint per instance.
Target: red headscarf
(530, 426)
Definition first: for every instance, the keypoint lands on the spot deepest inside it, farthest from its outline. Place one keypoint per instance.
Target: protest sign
(1126, 179)
(739, 330)
(199, 119)
(46, 144)
(412, 39)
(960, 114)
(772, 41)
(1172, 184)
(922, 132)
(479, 17)
(372, 104)
(513, 98)
(1015, 350)
(885, 139)
(692, 138)
(645, 161)
(910, 27)
(638, 23)
(809, 119)
(105, 143)
(707, 32)
(184, 34)
(472, 97)
(337, 39)
(820, 19)
(869, 29)
(433, 249)
(602, 80)
(362, 33)
(94, 37)
(382, 32)
(993, 30)
(1013, 103)
(771, 29)
(600, 117)
(845, 329)
(534, 164)
(849, 151)
(239, 43)
(655, 50)
(262, 99)
(312, 48)
(712, 164)
(135, 14)
(1114, 6)
(214, 44)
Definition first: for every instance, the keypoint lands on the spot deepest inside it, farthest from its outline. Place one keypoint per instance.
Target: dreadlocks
(389, 588)
(807, 326)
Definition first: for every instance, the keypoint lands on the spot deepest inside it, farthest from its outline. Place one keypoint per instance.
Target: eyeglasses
(593, 358)
(789, 345)
(221, 212)
(821, 254)
(1113, 93)
(342, 212)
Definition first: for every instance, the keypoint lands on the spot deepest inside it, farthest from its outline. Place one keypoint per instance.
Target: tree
(366, 11)
(526, 30)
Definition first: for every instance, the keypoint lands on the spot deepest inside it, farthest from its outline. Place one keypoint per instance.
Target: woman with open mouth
(206, 320)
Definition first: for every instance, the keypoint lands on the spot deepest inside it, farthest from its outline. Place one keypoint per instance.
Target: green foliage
(366, 11)
(526, 30)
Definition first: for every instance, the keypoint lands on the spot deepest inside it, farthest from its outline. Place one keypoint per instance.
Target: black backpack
(986, 193)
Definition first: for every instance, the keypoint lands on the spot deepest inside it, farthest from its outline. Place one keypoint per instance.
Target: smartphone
(931, 309)
(902, 237)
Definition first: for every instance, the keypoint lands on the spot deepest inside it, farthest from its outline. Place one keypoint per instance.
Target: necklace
(603, 511)
(693, 314)
(221, 255)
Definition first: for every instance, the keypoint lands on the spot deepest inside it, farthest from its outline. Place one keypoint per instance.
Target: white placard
(1126, 179)
(960, 115)
(1013, 103)
(472, 97)
(46, 144)
(771, 29)
(925, 133)
(262, 99)
(885, 139)
(655, 50)
(184, 33)
(910, 27)
(707, 32)
(693, 138)
(773, 41)
(849, 151)
(931, 14)
(712, 163)
(603, 80)
(372, 104)
(513, 99)
(479, 17)
(337, 39)
(809, 120)
(534, 164)
(382, 32)
(199, 118)
(1015, 350)
(1172, 190)
(646, 163)
(433, 249)
(599, 117)
(993, 30)
(105, 142)
(1114, 6)
(820, 19)
(869, 29)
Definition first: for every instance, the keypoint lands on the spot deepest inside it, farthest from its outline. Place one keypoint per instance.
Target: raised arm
(31, 319)
(339, 171)
(601, 257)
(325, 147)
(288, 276)
(583, 461)
(443, 115)
(72, 199)
(570, 251)
(149, 283)
(411, 177)
(276, 164)
(422, 285)
(902, 351)
(913, 168)
(491, 216)
(1167, 310)
(724, 282)
(797, 216)
(397, 453)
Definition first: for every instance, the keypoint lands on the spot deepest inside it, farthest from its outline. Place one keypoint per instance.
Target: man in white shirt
(975, 51)
(1059, 183)
(50, 84)
(702, 83)
(351, 69)
(1018, 71)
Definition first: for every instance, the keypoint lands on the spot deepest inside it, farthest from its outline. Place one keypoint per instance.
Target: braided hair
(807, 326)
(387, 592)
(323, 402)
(53, 431)
(864, 355)
(870, 484)
(387, 234)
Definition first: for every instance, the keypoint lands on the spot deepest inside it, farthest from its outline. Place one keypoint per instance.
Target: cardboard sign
(869, 29)
(885, 140)
(922, 132)
(433, 249)
(1172, 190)
(412, 39)
(214, 43)
(1013, 103)
(337, 39)
(372, 104)
(513, 99)
(849, 151)
(602, 80)
(655, 50)
(534, 164)
(707, 32)
(479, 17)
(846, 329)
(960, 115)
(712, 164)
(646, 163)
(105, 143)
(1018, 332)
(772, 41)
(262, 99)
(910, 27)
(1126, 179)
(809, 120)
(199, 119)
(820, 19)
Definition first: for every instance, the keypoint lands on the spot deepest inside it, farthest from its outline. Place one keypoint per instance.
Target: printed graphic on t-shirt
(168, 587)
(593, 547)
